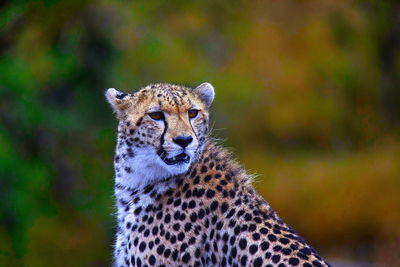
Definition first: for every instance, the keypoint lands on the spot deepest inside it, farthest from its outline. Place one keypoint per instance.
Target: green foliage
(307, 95)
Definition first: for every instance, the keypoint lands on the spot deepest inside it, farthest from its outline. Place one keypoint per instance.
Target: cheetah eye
(156, 115)
(193, 113)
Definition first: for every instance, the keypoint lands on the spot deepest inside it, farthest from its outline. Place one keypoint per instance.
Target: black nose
(183, 141)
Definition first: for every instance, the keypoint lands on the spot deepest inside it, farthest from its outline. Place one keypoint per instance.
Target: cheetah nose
(183, 141)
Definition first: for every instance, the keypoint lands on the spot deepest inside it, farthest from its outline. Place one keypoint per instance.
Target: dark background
(307, 97)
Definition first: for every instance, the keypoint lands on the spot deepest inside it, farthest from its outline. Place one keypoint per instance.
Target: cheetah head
(162, 129)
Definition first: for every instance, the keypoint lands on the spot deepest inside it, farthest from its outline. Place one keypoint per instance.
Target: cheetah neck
(128, 192)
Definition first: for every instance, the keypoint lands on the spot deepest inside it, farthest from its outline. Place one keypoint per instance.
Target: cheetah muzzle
(181, 199)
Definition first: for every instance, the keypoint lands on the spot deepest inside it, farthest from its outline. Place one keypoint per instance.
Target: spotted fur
(203, 212)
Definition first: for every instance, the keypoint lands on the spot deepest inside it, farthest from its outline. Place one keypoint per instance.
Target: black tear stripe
(190, 122)
(162, 139)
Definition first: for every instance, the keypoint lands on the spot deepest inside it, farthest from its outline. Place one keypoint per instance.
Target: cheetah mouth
(178, 159)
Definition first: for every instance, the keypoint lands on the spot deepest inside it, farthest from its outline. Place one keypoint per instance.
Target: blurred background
(307, 97)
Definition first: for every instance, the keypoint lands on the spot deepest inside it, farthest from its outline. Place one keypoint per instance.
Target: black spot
(188, 226)
(201, 214)
(237, 230)
(177, 215)
(264, 245)
(155, 230)
(305, 251)
(253, 249)
(176, 226)
(248, 217)
(177, 202)
(257, 219)
(146, 233)
(121, 96)
(210, 193)
(167, 252)
(200, 192)
(133, 260)
(234, 252)
(272, 237)
(188, 194)
(181, 236)
(186, 258)
(207, 178)
(287, 251)
(192, 204)
(231, 213)
(256, 236)
(317, 263)
(276, 258)
(214, 205)
(240, 213)
(138, 210)
(242, 243)
(184, 206)
(167, 218)
(293, 261)
(302, 256)
(160, 249)
(224, 207)
(243, 260)
(258, 262)
(197, 253)
(152, 260)
(232, 240)
(284, 240)
(214, 219)
(277, 248)
(193, 217)
(184, 246)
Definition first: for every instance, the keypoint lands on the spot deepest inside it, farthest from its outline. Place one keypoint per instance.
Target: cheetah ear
(119, 101)
(206, 93)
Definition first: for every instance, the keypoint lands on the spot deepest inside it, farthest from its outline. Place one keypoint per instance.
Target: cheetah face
(162, 127)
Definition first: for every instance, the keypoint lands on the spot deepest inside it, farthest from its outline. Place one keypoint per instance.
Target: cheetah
(181, 199)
